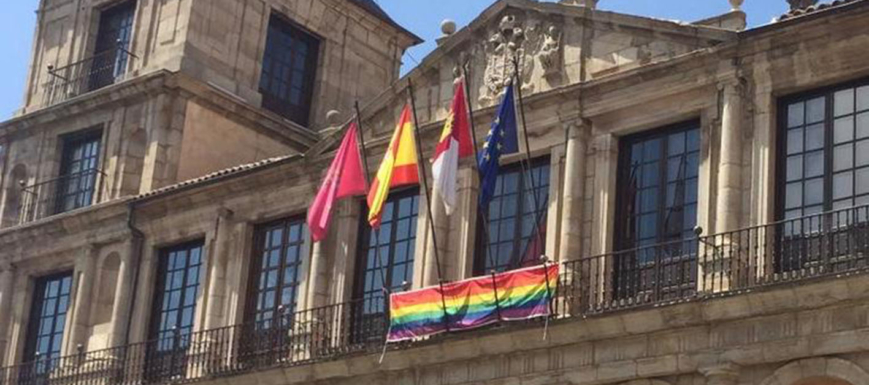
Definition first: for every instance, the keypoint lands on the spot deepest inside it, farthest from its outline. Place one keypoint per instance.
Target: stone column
(725, 374)
(572, 198)
(7, 279)
(123, 302)
(85, 276)
(730, 160)
(216, 295)
(318, 281)
(606, 160)
(442, 229)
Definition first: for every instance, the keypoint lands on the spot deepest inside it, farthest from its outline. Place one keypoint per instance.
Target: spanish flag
(399, 167)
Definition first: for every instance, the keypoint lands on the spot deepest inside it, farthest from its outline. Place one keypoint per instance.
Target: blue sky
(420, 16)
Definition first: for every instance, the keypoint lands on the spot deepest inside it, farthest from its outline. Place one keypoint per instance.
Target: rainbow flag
(511, 296)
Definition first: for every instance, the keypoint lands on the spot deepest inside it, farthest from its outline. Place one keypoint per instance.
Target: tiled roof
(217, 175)
(373, 8)
(815, 8)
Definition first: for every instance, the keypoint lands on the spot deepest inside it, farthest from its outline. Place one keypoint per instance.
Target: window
(113, 40)
(174, 308)
(657, 211)
(79, 171)
(288, 71)
(823, 166)
(514, 231)
(278, 256)
(396, 246)
(47, 322)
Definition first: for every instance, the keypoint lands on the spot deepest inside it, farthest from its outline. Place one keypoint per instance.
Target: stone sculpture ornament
(525, 42)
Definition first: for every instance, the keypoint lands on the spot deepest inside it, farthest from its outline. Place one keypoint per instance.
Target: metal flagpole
(424, 179)
(481, 211)
(539, 215)
(378, 262)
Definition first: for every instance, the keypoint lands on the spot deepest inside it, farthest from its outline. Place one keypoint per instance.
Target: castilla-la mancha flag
(399, 167)
(344, 179)
(454, 144)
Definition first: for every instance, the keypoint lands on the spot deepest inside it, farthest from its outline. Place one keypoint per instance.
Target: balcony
(823, 246)
(59, 195)
(90, 74)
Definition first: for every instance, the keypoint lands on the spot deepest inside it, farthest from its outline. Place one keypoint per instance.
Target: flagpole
(424, 179)
(485, 218)
(378, 262)
(518, 84)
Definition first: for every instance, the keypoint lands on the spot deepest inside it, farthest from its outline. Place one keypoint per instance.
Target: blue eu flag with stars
(502, 139)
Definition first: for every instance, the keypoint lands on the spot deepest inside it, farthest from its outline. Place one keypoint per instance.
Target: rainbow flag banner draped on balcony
(510, 296)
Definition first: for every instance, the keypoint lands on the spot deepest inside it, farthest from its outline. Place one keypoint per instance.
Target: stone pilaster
(318, 280)
(725, 374)
(606, 159)
(346, 225)
(86, 266)
(7, 279)
(729, 205)
(572, 198)
(216, 303)
(123, 301)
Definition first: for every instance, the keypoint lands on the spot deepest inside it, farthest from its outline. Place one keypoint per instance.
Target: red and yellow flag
(399, 167)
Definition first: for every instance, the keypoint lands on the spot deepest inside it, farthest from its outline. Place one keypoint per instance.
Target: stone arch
(108, 282)
(646, 382)
(817, 371)
(14, 201)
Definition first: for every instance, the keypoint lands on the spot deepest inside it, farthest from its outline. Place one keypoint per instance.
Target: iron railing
(293, 339)
(682, 270)
(795, 249)
(59, 195)
(90, 74)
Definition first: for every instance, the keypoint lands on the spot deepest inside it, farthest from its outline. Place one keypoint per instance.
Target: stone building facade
(701, 185)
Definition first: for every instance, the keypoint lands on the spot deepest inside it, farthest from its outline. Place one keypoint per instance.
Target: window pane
(862, 183)
(794, 195)
(815, 110)
(794, 168)
(814, 137)
(862, 153)
(844, 102)
(843, 157)
(796, 114)
(814, 191)
(843, 185)
(795, 141)
(843, 130)
(863, 98)
(814, 164)
(863, 125)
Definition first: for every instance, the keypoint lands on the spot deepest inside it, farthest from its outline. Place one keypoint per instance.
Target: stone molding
(832, 368)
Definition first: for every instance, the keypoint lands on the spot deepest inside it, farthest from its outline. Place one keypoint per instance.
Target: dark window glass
(78, 171)
(177, 286)
(396, 247)
(824, 163)
(279, 254)
(514, 234)
(47, 322)
(288, 70)
(657, 211)
(113, 41)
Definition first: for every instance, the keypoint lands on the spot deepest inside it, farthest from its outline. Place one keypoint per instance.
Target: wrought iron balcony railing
(810, 247)
(90, 74)
(59, 195)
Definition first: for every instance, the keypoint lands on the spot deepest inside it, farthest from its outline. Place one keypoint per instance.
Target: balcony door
(656, 214)
(113, 41)
(177, 288)
(79, 171)
(51, 299)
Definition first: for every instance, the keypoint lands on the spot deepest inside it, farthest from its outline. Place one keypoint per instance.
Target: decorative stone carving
(550, 52)
(526, 43)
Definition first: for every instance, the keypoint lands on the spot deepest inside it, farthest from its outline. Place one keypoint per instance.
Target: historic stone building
(703, 186)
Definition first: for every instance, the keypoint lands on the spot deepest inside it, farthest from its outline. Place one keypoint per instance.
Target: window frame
(159, 293)
(781, 154)
(70, 142)
(366, 232)
(31, 338)
(301, 113)
(255, 268)
(481, 256)
(105, 54)
(623, 169)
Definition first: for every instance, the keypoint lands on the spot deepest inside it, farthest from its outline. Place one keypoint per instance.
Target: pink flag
(344, 179)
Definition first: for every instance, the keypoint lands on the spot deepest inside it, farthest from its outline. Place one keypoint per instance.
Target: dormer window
(288, 71)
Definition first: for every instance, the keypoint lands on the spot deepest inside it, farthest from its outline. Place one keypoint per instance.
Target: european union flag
(502, 139)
